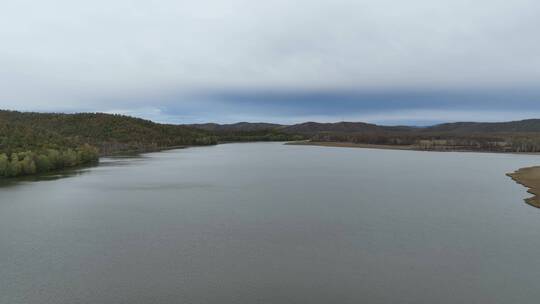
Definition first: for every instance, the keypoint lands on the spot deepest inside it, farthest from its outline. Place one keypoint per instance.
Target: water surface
(271, 223)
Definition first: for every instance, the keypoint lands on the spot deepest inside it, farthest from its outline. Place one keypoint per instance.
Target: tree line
(30, 162)
(437, 141)
(256, 135)
(112, 134)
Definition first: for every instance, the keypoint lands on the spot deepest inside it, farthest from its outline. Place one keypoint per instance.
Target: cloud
(395, 108)
(103, 55)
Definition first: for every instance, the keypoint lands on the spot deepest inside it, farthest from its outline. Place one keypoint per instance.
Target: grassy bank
(530, 178)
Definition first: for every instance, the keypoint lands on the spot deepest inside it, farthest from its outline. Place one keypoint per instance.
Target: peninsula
(530, 178)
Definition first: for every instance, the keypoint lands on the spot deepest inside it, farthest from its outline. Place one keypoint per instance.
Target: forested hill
(514, 136)
(311, 128)
(39, 142)
(248, 131)
(306, 128)
(237, 127)
(108, 132)
(522, 126)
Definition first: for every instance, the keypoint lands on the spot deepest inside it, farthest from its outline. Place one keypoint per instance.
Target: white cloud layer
(89, 55)
(419, 117)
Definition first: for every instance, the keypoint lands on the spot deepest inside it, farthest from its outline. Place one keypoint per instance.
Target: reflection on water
(50, 176)
(114, 161)
(123, 160)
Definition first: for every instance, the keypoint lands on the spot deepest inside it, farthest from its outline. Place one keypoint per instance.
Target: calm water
(270, 223)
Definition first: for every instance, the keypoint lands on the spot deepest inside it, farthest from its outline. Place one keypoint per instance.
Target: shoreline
(143, 151)
(351, 145)
(395, 147)
(529, 177)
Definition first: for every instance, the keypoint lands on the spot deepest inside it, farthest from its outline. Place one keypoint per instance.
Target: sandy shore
(530, 178)
(397, 147)
(350, 145)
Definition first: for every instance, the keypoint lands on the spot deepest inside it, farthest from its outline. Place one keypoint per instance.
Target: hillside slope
(522, 126)
(37, 142)
(110, 133)
(236, 127)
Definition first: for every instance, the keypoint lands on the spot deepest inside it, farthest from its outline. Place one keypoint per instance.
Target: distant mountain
(342, 127)
(522, 126)
(248, 132)
(236, 127)
(339, 127)
(515, 136)
(301, 128)
(309, 128)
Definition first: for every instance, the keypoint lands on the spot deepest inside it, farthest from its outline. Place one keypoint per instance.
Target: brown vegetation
(530, 178)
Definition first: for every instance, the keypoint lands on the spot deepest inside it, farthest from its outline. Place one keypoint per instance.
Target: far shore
(396, 147)
(143, 150)
(530, 178)
(350, 145)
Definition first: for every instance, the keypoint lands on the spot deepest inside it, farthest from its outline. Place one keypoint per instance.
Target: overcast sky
(382, 61)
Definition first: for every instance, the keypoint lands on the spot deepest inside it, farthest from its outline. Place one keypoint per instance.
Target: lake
(273, 223)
